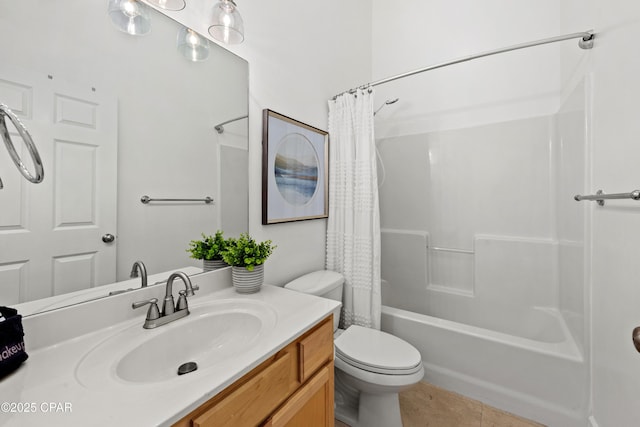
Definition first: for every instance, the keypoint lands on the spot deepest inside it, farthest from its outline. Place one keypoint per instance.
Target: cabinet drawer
(254, 400)
(315, 349)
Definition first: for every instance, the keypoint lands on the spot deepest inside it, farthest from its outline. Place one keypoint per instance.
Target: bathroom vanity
(263, 359)
(293, 387)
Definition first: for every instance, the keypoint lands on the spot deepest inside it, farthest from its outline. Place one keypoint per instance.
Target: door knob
(636, 338)
(108, 238)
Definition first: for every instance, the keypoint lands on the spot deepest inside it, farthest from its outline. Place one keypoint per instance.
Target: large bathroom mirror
(115, 117)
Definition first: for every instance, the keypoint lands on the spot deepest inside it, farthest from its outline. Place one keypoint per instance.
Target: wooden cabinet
(308, 405)
(292, 388)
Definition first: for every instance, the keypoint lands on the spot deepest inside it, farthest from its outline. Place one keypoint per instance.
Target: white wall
(300, 55)
(499, 88)
(614, 67)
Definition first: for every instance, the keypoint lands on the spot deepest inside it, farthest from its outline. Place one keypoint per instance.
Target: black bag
(12, 352)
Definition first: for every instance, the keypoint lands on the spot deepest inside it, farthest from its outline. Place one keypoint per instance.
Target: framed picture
(295, 179)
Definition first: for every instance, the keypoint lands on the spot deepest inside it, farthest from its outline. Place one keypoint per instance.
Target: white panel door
(51, 233)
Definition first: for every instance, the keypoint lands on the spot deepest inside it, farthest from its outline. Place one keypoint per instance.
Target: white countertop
(48, 383)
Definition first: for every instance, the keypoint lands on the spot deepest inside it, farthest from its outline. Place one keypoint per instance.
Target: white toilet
(372, 367)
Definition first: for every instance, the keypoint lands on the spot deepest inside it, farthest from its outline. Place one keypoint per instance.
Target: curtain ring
(28, 141)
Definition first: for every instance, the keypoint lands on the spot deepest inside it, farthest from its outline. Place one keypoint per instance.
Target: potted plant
(209, 249)
(246, 258)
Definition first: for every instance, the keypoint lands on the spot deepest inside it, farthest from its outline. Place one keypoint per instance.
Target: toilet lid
(316, 283)
(377, 351)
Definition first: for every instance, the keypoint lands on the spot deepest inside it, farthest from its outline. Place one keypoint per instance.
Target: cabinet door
(316, 349)
(310, 406)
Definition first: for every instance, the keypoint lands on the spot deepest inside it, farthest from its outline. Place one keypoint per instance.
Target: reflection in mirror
(115, 117)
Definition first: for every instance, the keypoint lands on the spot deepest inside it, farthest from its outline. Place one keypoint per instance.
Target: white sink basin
(212, 334)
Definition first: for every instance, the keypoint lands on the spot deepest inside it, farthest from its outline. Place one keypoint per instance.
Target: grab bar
(28, 141)
(147, 199)
(600, 197)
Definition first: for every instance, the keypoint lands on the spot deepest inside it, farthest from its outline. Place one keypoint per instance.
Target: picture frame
(295, 167)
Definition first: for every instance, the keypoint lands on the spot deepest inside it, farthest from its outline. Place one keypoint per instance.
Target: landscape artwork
(296, 169)
(295, 181)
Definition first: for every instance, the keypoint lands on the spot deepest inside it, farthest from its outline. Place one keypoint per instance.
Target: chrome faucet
(168, 305)
(169, 313)
(139, 269)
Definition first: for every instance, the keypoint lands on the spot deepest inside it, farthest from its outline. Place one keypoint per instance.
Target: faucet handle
(182, 301)
(153, 313)
(139, 304)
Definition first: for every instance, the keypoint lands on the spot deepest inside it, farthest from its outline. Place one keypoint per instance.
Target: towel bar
(600, 197)
(147, 199)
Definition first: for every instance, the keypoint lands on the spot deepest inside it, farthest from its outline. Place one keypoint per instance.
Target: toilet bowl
(371, 366)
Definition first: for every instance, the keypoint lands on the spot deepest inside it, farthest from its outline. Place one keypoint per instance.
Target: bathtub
(523, 361)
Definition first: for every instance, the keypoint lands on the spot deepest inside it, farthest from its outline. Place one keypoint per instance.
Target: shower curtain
(353, 229)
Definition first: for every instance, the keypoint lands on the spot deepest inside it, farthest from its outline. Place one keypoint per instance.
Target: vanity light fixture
(130, 16)
(168, 4)
(226, 23)
(192, 45)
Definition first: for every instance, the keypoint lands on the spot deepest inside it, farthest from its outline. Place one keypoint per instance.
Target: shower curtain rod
(585, 42)
(220, 126)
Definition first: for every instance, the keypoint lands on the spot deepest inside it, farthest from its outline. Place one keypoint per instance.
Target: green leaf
(246, 252)
(209, 247)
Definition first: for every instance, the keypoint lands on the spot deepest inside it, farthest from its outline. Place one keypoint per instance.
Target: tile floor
(426, 405)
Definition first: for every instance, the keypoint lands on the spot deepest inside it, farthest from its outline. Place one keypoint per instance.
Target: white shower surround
(484, 259)
(501, 340)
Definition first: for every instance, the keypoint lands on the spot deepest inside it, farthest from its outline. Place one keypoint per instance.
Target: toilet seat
(377, 352)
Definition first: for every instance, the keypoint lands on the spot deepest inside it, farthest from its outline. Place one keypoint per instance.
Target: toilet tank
(322, 283)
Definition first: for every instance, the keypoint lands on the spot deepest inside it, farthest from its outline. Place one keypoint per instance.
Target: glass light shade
(192, 45)
(169, 4)
(130, 16)
(226, 23)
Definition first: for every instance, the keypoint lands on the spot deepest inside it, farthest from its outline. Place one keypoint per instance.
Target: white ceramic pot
(245, 281)
(213, 264)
